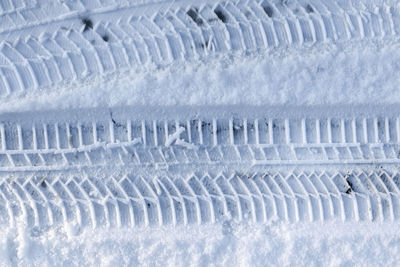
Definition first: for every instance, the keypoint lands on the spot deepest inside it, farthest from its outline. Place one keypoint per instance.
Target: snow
(227, 243)
(351, 73)
(362, 73)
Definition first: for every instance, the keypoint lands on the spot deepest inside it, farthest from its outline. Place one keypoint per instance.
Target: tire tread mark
(290, 26)
(67, 144)
(74, 194)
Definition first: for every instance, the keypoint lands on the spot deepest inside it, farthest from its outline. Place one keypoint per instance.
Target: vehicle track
(190, 167)
(125, 167)
(105, 138)
(41, 51)
(128, 200)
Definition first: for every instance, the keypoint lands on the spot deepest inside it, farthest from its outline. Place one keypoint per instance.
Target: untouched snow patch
(283, 244)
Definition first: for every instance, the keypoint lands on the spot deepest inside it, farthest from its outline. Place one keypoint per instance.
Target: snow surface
(353, 73)
(229, 244)
(363, 73)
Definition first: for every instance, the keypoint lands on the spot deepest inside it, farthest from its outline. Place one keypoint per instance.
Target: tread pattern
(129, 200)
(41, 145)
(19, 14)
(45, 46)
(38, 54)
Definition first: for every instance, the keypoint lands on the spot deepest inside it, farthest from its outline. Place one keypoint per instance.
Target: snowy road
(185, 133)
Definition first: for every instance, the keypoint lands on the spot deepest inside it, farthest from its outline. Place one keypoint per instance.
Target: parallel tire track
(45, 46)
(117, 190)
(76, 45)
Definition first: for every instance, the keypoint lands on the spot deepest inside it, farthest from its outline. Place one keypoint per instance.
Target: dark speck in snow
(269, 11)
(220, 15)
(88, 24)
(350, 189)
(194, 15)
(309, 9)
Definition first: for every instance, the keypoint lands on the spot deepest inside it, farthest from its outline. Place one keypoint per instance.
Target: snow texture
(277, 244)
(355, 73)
(252, 133)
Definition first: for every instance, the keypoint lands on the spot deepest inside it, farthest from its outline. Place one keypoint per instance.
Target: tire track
(126, 36)
(105, 139)
(133, 201)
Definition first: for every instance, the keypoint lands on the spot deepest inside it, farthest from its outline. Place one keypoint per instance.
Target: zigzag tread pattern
(125, 36)
(17, 14)
(134, 201)
(66, 143)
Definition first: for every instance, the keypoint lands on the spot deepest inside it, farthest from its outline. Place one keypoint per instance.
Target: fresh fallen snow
(230, 244)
